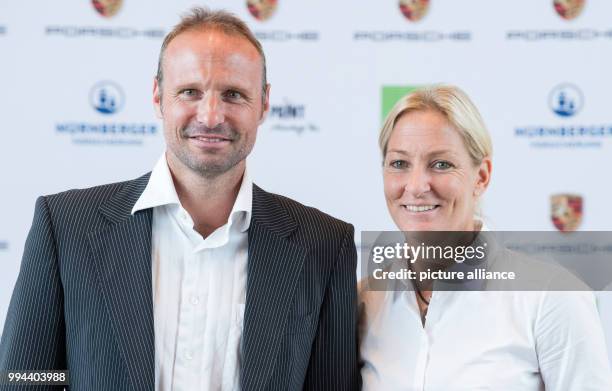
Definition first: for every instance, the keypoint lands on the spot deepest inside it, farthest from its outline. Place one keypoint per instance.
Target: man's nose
(418, 182)
(210, 110)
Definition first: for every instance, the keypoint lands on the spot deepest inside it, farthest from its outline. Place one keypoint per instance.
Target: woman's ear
(484, 176)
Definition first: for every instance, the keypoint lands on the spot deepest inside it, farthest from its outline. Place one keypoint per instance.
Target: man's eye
(398, 164)
(189, 93)
(231, 94)
(442, 165)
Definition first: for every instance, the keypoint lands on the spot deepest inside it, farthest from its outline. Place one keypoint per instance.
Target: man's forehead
(210, 40)
(195, 57)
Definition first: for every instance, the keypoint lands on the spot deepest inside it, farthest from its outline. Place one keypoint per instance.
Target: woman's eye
(442, 165)
(398, 164)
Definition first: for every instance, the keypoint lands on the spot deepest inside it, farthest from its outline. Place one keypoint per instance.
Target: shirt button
(188, 355)
(195, 300)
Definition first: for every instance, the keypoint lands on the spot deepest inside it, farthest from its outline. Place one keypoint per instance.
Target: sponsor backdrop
(76, 101)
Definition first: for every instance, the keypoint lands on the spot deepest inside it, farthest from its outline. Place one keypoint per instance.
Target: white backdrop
(328, 64)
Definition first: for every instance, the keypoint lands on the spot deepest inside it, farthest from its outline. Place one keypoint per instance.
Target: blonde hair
(455, 106)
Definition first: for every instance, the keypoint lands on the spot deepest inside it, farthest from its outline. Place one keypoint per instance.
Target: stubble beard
(211, 165)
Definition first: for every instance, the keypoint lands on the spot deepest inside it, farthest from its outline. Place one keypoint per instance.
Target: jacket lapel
(122, 255)
(274, 266)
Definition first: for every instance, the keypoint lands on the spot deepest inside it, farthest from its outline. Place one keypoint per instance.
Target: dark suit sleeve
(33, 336)
(333, 362)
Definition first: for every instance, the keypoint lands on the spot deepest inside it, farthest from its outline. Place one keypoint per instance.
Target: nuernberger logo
(568, 9)
(261, 9)
(106, 97)
(566, 211)
(107, 8)
(565, 100)
(414, 10)
(2, 30)
(3, 245)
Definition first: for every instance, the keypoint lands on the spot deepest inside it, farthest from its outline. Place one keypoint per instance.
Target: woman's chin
(423, 226)
(423, 221)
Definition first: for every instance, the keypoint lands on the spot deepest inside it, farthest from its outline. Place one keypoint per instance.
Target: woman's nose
(417, 182)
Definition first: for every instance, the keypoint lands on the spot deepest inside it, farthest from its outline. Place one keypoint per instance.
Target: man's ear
(484, 176)
(157, 104)
(266, 105)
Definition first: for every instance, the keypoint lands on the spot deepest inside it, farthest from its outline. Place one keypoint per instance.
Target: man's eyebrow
(224, 87)
(235, 87)
(185, 86)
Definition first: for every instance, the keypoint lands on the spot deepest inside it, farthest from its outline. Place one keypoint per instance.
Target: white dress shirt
(199, 289)
(482, 340)
(604, 305)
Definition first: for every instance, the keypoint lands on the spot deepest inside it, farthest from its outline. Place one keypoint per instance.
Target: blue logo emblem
(106, 97)
(565, 100)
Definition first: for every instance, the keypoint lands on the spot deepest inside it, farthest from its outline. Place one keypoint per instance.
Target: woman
(437, 164)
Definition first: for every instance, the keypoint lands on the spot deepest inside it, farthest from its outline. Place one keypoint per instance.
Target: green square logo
(390, 96)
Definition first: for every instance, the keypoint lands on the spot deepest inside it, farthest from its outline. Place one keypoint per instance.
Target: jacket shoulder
(312, 219)
(78, 208)
(93, 196)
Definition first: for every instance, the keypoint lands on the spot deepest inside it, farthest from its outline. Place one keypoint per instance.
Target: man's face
(210, 101)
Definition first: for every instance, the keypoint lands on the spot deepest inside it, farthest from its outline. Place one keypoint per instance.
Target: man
(190, 278)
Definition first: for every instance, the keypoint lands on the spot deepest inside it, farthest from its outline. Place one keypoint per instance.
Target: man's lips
(210, 138)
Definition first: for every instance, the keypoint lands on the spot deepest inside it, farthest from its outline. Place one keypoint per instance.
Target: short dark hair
(204, 18)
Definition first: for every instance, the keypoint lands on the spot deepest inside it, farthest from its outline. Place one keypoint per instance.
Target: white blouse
(482, 340)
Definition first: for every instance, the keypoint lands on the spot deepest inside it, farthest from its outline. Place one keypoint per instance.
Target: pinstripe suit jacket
(83, 298)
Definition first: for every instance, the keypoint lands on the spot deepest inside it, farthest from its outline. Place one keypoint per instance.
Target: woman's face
(431, 183)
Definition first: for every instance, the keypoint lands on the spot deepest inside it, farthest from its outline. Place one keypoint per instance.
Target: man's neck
(208, 201)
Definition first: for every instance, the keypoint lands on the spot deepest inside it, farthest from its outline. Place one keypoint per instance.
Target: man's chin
(211, 168)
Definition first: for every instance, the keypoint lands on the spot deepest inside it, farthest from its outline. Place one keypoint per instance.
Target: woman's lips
(420, 208)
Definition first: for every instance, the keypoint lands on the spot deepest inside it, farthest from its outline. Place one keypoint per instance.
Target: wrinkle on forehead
(214, 43)
(425, 133)
(202, 50)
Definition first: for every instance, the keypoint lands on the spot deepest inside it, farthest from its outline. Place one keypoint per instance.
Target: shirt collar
(160, 191)
(243, 204)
